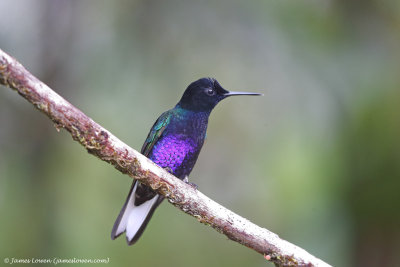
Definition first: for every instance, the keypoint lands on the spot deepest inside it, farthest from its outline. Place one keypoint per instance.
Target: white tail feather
(137, 216)
(129, 206)
(133, 217)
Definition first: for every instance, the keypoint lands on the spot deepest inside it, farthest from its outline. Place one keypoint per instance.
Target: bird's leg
(193, 185)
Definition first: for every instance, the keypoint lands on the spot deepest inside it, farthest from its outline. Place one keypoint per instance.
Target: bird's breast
(176, 152)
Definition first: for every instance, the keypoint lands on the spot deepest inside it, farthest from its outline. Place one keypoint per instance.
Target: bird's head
(204, 94)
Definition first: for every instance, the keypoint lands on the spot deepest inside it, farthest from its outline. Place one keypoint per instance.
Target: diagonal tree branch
(104, 145)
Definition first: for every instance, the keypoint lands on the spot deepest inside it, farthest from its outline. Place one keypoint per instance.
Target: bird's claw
(193, 185)
(168, 169)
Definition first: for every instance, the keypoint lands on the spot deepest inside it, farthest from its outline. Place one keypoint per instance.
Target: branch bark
(104, 145)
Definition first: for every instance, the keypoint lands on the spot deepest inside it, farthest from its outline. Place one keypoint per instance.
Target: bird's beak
(240, 93)
(226, 93)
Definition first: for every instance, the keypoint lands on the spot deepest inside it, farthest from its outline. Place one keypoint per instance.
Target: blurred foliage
(316, 160)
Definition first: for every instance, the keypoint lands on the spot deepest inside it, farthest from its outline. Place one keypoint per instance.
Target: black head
(204, 94)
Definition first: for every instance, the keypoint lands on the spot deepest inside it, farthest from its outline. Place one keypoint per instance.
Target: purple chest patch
(172, 151)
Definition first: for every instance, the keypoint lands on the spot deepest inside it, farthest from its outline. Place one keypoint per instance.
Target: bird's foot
(193, 185)
(168, 169)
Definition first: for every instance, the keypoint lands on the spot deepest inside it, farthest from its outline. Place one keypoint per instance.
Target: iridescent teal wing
(155, 132)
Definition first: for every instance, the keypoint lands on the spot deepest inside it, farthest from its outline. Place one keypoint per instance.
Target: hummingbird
(173, 143)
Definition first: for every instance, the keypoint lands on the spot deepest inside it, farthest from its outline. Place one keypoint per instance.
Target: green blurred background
(316, 160)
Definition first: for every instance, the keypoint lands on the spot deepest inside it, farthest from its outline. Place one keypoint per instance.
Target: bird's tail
(133, 219)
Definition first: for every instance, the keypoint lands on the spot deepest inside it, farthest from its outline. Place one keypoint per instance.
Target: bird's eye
(210, 92)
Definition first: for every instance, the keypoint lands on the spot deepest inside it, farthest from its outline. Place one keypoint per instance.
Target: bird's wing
(141, 201)
(155, 132)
